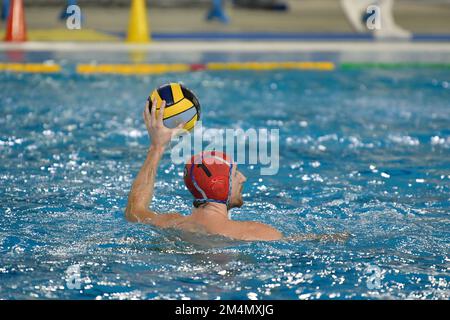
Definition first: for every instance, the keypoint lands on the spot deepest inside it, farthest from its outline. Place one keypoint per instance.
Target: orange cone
(16, 29)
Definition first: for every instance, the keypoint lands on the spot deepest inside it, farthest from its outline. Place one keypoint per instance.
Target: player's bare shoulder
(169, 220)
(261, 231)
(248, 231)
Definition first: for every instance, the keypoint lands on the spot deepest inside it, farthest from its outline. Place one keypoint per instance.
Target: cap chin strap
(229, 185)
(229, 191)
(198, 202)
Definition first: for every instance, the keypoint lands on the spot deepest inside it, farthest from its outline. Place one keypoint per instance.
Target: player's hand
(159, 134)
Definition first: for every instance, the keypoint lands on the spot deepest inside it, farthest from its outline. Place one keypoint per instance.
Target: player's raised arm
(142, 189)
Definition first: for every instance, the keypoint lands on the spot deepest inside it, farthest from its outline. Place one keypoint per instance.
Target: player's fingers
(161, 112)
(153, 113)
(146, 112)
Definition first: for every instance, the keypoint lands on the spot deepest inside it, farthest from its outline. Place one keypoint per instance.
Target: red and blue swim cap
(207, 175)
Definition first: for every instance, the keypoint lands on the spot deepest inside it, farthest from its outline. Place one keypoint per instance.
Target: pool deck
(235, 46)
(307, 20)
(311, 31)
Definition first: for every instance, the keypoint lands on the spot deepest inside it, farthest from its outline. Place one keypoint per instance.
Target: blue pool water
(362, 151)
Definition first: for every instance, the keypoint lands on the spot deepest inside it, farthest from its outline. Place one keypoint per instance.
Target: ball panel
(175, 109)
(155, 95)
(185, 116)
(188, 94)
(191, 123)
(176, 92)
(165, 92)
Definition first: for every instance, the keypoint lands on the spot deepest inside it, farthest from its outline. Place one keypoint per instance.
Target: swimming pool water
(362, 151)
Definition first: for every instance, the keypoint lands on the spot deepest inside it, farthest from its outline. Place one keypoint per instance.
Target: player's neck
(215, 208)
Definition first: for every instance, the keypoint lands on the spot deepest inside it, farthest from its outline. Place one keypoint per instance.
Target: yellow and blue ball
(181, 105)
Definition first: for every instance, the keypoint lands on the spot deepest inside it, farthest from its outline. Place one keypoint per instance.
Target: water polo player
(214, 181)
(211, 177)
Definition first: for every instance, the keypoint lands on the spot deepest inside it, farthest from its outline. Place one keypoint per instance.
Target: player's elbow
(129, 216)
(141, 215)
(133, 214)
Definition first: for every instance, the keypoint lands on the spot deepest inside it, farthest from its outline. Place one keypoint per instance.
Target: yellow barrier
(181, 67)
(131, 69)
(142, 68)
(270, 65)
(30, 67)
